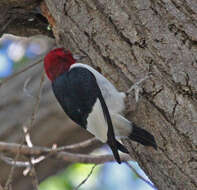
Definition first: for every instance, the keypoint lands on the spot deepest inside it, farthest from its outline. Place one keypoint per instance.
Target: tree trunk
(127, 39)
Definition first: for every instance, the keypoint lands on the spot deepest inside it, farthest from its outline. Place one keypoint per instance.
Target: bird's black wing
(77, 92)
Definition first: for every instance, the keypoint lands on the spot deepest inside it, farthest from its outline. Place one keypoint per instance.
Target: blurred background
(15, 54)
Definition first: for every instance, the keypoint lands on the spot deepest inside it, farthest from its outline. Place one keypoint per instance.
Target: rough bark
(127, 39)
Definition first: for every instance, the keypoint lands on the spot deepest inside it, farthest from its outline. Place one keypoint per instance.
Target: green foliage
(18, 65)
(55, 183)
(70, 178)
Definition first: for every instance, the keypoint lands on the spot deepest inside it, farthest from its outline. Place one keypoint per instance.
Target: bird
(92, 101)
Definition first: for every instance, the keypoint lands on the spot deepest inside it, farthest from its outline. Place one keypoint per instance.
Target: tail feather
(142, 136)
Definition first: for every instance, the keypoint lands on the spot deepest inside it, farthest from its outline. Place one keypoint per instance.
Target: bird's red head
(58, 61)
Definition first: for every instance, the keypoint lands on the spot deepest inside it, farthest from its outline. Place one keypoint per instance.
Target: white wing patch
(96, 122)
(122, 127)
(97, 125)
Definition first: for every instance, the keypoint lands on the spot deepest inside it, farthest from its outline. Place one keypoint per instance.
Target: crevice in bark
(169, 119)
(180, 169)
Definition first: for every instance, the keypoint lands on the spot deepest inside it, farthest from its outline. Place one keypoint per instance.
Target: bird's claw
(136, 87)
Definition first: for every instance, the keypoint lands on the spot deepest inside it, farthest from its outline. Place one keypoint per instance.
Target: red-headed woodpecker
(91, 101)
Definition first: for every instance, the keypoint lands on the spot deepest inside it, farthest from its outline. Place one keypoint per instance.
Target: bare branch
(136, 87)
(20, 72)
(88, 176)
(25, 150)
(1, 188)
(138, 175)
(12, 147)
(94, 159)
(8, 182)
(33, 174)
(12, 162)
(27, 137)
(30, 168)
(66, 156)
(19, 164)
(37, 103)
(79, 146)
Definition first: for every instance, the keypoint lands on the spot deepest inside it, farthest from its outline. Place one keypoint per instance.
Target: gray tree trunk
(127, 39)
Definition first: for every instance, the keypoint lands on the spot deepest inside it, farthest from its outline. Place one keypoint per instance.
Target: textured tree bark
(127, 39)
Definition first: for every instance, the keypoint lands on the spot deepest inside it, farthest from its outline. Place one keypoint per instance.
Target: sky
(14, 51)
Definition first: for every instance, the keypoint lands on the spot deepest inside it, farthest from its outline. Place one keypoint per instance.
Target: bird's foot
(136, 87)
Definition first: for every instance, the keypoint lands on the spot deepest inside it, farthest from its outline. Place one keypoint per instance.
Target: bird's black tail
(143, 137)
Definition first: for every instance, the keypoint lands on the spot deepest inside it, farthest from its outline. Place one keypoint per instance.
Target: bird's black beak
(79, 57)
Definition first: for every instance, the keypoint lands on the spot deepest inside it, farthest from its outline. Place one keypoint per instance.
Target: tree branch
(1, 188)
(22, 139)
(88, 176)
(65, 156)
(93, 142)
(12, 147)
(140, 176)
(19, 72)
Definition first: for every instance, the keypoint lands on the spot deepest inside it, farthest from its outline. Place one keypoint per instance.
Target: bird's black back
(76, 91)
